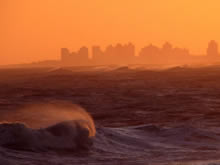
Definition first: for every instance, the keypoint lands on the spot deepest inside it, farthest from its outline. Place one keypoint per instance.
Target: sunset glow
(33, 30)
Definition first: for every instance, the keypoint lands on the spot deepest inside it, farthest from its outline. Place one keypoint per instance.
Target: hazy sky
(32, 30)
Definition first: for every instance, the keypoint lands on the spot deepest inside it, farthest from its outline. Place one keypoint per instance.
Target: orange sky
(32, 30)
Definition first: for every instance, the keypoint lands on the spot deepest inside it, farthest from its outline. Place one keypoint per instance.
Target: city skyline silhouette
(126, 54)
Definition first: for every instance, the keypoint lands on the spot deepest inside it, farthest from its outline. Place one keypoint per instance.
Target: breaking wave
(59, 127)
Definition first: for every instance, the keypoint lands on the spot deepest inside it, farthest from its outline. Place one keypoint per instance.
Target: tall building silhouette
(97, 55)
(80, 57)
(149, 54)
(118, 54)
(167, 49)
(212, 50)
(65, 54)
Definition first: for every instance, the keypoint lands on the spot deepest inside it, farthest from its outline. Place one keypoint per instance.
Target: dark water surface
(141, 116)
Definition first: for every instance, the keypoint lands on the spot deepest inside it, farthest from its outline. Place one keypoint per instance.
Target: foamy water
(131, 145)
(69, 136)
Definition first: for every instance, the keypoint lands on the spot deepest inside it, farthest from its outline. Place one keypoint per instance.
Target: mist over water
(42, 115)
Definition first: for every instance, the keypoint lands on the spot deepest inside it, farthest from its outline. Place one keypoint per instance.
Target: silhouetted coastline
(151, 55)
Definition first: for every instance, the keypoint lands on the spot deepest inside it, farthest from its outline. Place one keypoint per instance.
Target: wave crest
(71, 129)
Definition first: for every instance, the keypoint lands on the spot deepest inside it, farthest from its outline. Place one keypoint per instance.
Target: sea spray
(53, 126)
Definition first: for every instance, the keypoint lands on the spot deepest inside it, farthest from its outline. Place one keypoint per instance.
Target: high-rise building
(212, 50)
(64, 54)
